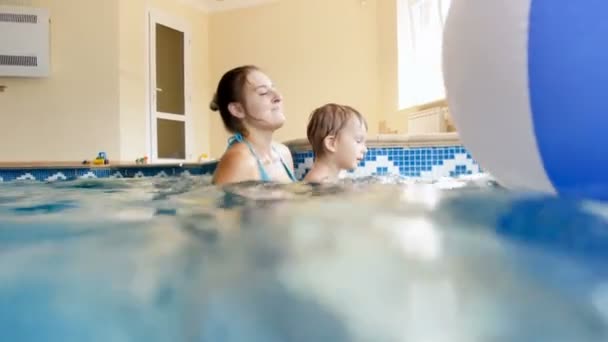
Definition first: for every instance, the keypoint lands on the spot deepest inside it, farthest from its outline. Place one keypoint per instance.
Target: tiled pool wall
(419, 162)
(71, 173)
(423, 162)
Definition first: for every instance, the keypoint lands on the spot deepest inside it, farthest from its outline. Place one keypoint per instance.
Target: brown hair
(328, 120)
(229, 90)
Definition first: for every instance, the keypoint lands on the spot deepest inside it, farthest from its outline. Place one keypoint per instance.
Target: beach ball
(527, 85)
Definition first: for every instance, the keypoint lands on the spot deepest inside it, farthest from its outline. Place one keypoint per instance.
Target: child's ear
(236, 109)
(330, 143)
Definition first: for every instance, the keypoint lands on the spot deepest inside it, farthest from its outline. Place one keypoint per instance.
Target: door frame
(155, 16)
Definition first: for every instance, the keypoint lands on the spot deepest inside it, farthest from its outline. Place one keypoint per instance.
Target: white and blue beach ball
(527, 84)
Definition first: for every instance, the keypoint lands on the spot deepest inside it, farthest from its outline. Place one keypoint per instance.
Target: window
(419, 38)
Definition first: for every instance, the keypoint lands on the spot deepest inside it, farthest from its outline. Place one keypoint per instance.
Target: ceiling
(225, 5)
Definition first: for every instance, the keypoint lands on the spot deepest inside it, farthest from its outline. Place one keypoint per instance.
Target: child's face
(350, 144)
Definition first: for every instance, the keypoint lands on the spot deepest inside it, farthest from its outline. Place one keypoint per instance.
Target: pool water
(373, 259)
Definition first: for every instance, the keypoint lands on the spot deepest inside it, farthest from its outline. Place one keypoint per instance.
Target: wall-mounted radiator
(24, 42)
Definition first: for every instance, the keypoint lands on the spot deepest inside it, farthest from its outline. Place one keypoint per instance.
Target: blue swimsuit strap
(238, 137)
(287, 169)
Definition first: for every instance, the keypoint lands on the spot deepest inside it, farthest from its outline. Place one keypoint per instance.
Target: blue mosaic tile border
(423, 162)
(419, 162)
(67, 173)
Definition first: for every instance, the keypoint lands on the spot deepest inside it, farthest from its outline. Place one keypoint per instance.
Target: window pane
(445, 7)
(169, 70)
(171, 139)
(420, 39)
(428, 31)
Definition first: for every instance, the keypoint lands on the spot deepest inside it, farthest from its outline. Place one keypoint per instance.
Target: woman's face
(262, 103)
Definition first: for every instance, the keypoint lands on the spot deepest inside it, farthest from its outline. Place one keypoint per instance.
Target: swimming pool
(375, 259)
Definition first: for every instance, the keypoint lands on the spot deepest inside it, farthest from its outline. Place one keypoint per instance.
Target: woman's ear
(236, 109)
(330, 143)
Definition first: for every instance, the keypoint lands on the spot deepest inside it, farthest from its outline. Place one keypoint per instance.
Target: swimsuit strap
(238, 137)
(287, 169)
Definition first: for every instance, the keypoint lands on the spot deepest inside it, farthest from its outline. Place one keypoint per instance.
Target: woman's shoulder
(238, 150)
(280, 146)
(284, 151)
(236, 165)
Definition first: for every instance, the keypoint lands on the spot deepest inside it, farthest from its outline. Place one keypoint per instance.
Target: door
(170, 117)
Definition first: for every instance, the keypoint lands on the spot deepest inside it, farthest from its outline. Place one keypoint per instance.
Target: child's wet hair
(328, 120)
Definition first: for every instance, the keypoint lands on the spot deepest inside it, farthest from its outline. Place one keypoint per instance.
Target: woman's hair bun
(213, 104)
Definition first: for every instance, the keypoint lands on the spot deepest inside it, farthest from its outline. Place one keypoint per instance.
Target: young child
(337, 134)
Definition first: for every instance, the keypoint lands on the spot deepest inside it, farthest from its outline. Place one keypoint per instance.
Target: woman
(251, 109)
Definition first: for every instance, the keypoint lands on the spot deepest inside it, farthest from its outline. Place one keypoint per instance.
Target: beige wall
(316, 51)
(133, 74)
(73, 114)
(95, 99)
